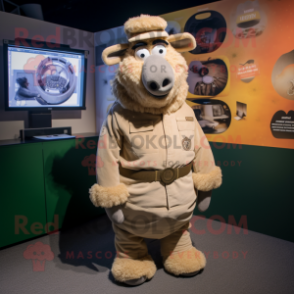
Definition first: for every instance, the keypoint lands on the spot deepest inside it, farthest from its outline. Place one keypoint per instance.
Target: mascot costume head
(154, 159)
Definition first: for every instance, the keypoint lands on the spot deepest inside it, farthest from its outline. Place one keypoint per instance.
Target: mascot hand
(115, 214)
(203, 200)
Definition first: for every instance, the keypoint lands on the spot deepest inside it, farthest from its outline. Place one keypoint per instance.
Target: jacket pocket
(143, 140)
(186, 129)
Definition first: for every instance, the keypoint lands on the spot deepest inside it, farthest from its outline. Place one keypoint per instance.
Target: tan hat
(145, 27)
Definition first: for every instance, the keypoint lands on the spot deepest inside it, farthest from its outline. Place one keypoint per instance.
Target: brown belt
(166, 176)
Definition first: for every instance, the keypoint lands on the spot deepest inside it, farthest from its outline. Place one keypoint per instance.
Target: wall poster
(240, 75)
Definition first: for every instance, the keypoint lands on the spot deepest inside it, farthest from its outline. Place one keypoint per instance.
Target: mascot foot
(185, 263)
(133, 271)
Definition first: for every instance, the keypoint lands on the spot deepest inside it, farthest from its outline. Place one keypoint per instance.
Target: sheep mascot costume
(153, 157)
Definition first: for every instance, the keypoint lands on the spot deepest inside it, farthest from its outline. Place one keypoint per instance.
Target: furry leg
(132, 264)
(179, 256)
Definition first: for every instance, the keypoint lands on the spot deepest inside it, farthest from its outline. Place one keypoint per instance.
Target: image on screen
(42, 78)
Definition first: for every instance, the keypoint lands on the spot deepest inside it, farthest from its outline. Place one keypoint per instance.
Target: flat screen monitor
(44, 76)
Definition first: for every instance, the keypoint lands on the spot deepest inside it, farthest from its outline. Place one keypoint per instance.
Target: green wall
(258, 187)
(49, 182)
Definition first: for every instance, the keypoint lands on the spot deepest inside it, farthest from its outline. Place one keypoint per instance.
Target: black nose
(165, 82)
(154, 86)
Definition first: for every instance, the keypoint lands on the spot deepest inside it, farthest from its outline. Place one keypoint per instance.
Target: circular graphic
(173, 28)
(209, 29)
(214, 116)
(282, 125)
(207, 78)
(56, 80)
(248, 20)
(283, 75)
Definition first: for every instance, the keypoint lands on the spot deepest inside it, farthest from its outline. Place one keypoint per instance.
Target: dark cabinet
(44, 187)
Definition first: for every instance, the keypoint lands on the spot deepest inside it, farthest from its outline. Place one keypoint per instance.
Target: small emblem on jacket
(189, 118)
(186, 143)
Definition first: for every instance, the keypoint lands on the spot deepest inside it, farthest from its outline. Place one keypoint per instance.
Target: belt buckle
(168, 176)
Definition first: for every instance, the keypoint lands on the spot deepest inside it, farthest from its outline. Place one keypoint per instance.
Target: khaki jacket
(154, 142)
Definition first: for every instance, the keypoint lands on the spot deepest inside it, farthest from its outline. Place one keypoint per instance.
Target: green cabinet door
(22, 199)
(69, 172)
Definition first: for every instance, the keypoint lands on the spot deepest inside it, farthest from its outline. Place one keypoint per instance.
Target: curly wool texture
(144, 23)
(124, 269)
(108, 196)
(131, 93)
(207, 182)
(185, 262)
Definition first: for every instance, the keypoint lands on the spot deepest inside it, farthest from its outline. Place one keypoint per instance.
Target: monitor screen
(45, 78)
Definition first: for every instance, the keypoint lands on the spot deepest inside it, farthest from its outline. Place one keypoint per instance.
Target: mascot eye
(142, 53)
(159, 50)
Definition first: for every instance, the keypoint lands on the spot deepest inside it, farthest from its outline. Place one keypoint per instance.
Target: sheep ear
(182, 42)
(114, 54)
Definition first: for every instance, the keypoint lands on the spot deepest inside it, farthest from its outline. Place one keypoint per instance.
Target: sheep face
(151, 73)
